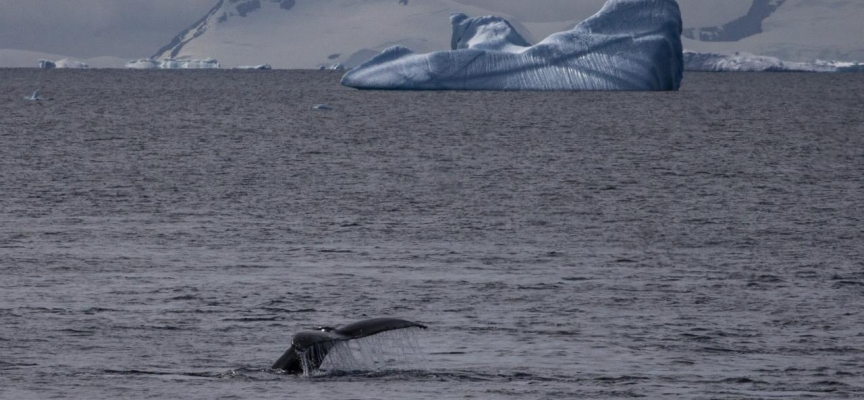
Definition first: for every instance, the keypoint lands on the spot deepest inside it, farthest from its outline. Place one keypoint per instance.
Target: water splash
(391, 349)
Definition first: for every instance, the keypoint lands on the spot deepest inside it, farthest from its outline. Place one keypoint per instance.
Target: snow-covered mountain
(309, 33)
(749, 24)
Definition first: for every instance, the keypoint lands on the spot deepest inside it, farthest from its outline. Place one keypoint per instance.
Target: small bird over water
(35, 96)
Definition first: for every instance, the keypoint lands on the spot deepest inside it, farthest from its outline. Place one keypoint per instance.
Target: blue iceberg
(628, 45)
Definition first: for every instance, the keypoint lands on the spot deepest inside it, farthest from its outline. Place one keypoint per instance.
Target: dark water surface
(163, 233)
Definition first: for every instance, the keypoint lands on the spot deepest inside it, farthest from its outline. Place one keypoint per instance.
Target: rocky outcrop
(220, 13)
(741, 28)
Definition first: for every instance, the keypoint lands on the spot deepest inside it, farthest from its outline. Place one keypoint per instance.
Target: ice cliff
(628, 45)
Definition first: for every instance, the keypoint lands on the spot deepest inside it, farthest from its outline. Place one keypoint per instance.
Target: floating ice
(45, 64)
(843, 66)
(73, 64)
(256, 67)
(628, 45)
(331, 67)
(746, 62)
(64, 63)
(207, 63)
(737, 62)
(144, 64)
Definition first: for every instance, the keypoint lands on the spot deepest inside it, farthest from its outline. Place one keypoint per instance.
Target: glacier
(746, 62)
(627, 45)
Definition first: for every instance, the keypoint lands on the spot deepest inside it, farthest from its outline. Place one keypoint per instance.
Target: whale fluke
(35, 96)
(311, 347)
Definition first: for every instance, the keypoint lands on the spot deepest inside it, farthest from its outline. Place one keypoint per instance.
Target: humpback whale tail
(35, 96)
(309, 348)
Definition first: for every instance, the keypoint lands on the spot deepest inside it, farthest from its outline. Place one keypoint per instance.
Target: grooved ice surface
(628, 45)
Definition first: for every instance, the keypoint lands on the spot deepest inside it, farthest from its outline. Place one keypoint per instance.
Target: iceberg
(145, 63)
(46, 64)
(842, 66)
(485, 33)
(64, 63)
(746, 62)
(149, 63)
(627, 45)
(261, 67)
(67, 63)
(207, 63)
(331, 67)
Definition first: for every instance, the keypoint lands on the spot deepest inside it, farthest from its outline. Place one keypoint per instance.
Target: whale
(35, 96)
(309, 348)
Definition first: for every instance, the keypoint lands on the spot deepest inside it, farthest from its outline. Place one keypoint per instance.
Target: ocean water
(164, 233)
